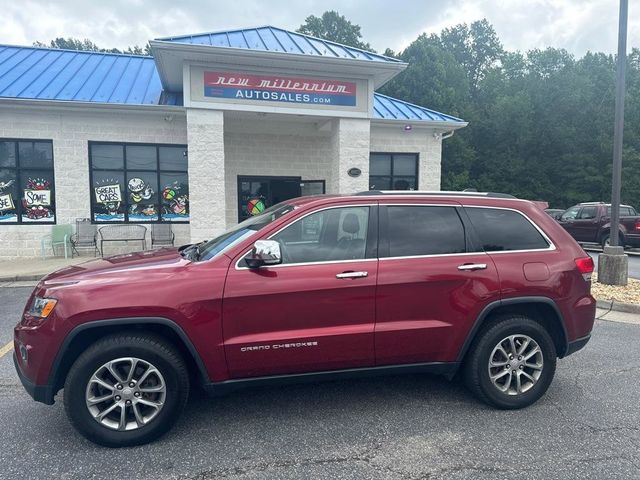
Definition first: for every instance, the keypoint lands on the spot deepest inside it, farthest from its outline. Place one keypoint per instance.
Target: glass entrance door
(256, 193)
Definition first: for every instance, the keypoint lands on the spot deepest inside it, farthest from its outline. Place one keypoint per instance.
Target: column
(350, 149)
(205, 136)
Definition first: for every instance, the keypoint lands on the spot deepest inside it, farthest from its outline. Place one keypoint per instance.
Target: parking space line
(6, 349)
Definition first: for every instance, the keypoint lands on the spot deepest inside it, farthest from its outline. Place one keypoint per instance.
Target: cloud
(577, 25)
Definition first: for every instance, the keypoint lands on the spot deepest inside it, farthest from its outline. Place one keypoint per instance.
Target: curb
(614, 306)
(23, 278)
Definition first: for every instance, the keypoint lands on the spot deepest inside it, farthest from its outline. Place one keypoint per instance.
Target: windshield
(238, 233)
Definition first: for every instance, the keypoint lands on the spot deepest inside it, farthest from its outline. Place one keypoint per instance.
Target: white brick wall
(71, 130)
(420, 141)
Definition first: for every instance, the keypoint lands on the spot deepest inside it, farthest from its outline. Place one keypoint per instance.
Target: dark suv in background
(314, 288)
(591, 223)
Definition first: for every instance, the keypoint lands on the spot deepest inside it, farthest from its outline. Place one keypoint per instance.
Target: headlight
(42, 307)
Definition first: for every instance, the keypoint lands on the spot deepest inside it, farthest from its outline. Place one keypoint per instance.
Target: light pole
(613, 264)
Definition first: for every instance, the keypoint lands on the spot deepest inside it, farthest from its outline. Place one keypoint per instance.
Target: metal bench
(122, 233)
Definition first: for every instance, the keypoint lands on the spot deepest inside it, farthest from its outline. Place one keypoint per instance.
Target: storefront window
(26, 182)
(393, 171)
(139, 183)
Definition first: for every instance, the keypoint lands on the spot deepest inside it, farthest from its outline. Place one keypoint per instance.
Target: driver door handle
(352, 274)
(472, 266)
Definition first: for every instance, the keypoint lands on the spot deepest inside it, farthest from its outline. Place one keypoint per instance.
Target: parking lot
(587, 426)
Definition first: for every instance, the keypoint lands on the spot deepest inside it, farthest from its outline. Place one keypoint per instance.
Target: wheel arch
(541, 309)
(86, 334)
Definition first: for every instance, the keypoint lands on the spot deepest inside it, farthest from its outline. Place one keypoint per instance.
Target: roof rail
(438, 192)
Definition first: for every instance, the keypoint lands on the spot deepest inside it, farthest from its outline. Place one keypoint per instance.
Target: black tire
(605, 240)
(476, 367)
(149, 348)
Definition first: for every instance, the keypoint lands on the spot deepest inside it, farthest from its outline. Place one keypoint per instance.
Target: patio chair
(85, 236)
(162, 234)
(60, 235)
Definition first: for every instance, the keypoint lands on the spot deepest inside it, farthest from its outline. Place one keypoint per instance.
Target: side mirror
(264, 252)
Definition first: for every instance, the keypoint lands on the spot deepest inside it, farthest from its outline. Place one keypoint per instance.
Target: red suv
(314, 288)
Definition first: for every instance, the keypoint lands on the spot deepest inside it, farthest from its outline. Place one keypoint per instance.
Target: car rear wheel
(606, 241)
(126, 389)
(511, 363)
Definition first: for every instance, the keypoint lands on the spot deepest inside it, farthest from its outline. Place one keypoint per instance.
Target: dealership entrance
(256, 193)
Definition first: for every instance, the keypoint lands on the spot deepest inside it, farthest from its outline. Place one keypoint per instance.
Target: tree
(476, 47)
(334, 27)
(540, 122)
(71, 43)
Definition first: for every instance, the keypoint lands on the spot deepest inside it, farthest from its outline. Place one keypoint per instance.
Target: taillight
(585, 266)
(637, 226)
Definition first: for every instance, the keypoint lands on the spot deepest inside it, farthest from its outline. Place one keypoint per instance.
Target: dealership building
(211, 129)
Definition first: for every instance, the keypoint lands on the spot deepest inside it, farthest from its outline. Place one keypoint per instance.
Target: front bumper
(40, 393)
(577, 344)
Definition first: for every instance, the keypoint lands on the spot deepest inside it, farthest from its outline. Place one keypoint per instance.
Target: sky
(576, 25)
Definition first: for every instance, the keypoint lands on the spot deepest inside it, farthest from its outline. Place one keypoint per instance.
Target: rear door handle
(472, 266)
(352, 274)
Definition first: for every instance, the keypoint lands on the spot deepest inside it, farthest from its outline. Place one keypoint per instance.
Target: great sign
(269, 88)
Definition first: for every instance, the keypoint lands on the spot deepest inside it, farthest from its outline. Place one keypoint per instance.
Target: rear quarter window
(505, 230)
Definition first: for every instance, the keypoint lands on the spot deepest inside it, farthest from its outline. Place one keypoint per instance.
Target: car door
(585, 225)
(316, 310)
(430, 288)
(568, 218)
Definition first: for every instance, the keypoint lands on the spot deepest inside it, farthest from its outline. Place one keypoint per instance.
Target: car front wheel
(511, 363)
(126, 389)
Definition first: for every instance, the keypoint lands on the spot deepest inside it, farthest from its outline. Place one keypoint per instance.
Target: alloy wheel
(515, 364)
(125, 393)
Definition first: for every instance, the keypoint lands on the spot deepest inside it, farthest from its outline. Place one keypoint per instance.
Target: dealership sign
(271, 88)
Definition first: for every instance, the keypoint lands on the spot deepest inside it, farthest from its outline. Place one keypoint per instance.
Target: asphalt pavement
(406, 427)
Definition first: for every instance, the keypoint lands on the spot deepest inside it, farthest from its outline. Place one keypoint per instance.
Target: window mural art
(255, 206)
(139, 182)
(36, 202)
(175, 202)
(26, 181)
(108, 202)
(7, 207)
(140, 194)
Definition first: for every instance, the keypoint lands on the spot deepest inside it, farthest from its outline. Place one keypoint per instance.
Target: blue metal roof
(55, 74)
(273, 39)
(389, 108)
(69, 75)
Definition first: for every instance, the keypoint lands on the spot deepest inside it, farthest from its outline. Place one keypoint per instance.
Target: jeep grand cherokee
(317, 287)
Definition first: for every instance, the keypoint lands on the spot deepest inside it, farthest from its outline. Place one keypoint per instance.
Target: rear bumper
(40, 393)
(577, 344)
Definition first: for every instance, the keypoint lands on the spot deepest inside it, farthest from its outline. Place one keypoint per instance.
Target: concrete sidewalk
(29, 269)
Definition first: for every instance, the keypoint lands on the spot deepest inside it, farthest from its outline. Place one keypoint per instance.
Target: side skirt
(438, 368)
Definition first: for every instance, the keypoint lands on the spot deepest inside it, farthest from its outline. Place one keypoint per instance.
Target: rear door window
(415, 230)
(505, 230)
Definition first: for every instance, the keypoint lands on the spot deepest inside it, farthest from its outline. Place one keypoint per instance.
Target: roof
(389, 108)
(274, 39)
(71, 75)
(38, 73)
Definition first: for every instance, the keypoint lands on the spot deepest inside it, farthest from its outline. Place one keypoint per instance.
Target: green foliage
(87, 45)
(334, 27)
(540, 122)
